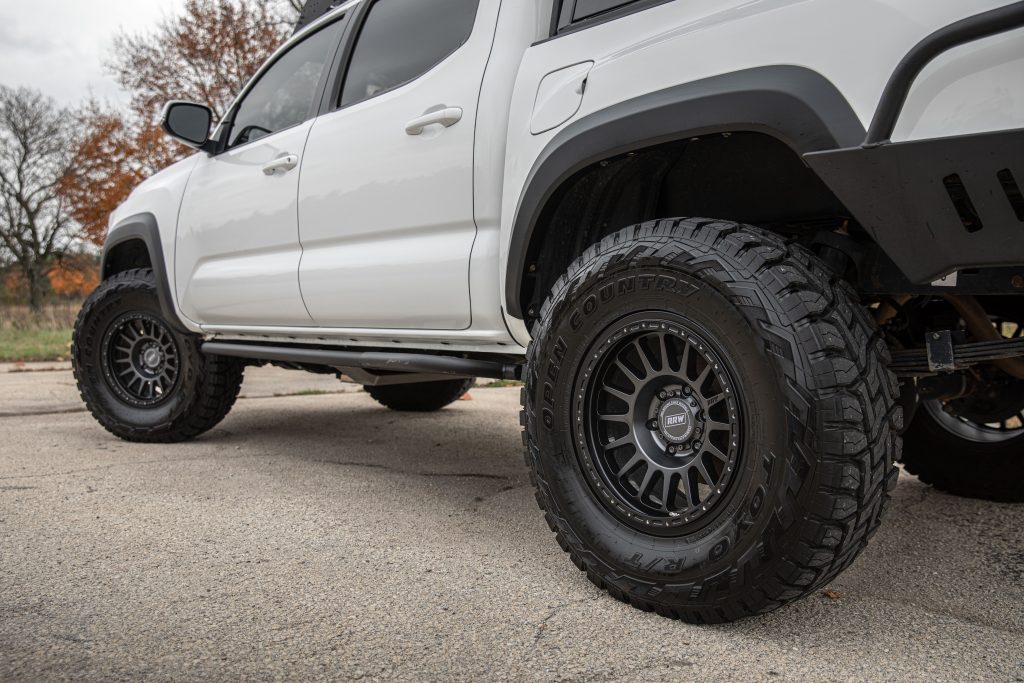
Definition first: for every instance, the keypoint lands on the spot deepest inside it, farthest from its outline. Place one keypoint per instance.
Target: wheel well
(745, 177)
(132, 253)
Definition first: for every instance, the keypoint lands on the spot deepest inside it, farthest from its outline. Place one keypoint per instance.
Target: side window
(403, 39)
(286, 94)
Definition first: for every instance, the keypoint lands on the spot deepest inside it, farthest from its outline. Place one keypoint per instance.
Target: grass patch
(501, 384)
(35, 345)
(45, 335)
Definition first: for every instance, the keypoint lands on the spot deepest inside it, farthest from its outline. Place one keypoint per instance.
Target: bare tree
(206, 54)
(35, 227)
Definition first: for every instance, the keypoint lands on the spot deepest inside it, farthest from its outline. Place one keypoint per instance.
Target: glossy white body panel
(405, 239)
(238, 250)
(161, 196)
(387, 216)
(974, 88)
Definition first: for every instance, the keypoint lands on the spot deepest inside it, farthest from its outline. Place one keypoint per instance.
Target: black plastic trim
(374, 360)
(796, 105)
(964, 31)
(143, 227)
(559, 28)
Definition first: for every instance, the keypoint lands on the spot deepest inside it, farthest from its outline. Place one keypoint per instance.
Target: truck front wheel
(708, 419)
(141, 379)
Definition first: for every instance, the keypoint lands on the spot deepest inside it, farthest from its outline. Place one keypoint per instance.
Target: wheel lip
(967, 429)
(582, 442)
(122, 393)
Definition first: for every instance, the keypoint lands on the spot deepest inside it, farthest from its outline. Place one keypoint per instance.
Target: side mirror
(188, 123)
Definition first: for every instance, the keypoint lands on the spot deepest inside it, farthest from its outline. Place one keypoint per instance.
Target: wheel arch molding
(796, 105)
(135, 243)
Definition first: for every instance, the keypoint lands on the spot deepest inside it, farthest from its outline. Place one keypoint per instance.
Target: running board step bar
(396, 361)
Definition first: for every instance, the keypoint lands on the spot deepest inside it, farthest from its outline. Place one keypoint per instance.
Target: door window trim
(558, 28)
(225, 126)
(332, 98)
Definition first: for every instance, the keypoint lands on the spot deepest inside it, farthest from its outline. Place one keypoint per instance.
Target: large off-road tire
(420, 397)
(743, 385)
(141, 379)
(958, 455)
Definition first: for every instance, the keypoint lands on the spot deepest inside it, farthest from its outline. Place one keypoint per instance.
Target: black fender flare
(798, 106)
(143, 227)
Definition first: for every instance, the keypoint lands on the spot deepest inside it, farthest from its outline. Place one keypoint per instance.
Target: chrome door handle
(447, 117)
(283, 163)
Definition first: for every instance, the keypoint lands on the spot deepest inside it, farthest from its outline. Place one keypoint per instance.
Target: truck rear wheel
(708, 419)
(420, 397)
(141, 379)
(973, 446)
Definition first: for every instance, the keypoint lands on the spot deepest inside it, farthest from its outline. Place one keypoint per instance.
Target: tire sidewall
(593, 303)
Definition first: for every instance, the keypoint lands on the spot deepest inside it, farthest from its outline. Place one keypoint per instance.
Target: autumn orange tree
(204, 54)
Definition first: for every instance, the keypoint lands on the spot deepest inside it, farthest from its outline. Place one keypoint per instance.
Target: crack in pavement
(555, 611)
(396, 470)
(71, 411)
(40, 413)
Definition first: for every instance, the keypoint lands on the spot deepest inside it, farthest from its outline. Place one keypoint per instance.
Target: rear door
(386, 194)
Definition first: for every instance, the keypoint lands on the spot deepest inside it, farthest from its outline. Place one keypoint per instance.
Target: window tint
(286, 93)
(403, 39)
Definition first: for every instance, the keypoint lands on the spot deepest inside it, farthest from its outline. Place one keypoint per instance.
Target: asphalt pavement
(317, 536)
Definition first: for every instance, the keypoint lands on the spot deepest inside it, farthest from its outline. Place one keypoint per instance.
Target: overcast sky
(58, 46)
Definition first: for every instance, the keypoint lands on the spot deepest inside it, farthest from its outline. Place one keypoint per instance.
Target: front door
(386, 195)
(237, 252)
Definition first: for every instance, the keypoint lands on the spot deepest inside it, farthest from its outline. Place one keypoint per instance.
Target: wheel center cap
(152, 358)
(676, 420)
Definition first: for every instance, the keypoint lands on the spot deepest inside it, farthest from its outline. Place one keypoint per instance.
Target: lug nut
(652, 424)
(697, 445)
(671, 450)
(687, 390)
(662, 395)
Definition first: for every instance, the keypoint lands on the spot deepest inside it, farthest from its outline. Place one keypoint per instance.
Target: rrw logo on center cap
(674, 420)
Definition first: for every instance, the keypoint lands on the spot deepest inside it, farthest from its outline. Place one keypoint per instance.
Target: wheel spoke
(620, 441)
(702, 470)
(702, 377)
(629, 372)
(715, 400)
(628, 398)
(645, 485)
(649, 370)
(630, 465)
(714, 450)
(667, 484)
(666, 364)
(715, 426)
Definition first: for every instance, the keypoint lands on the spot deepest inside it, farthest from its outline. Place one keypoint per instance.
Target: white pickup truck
(745, 255)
